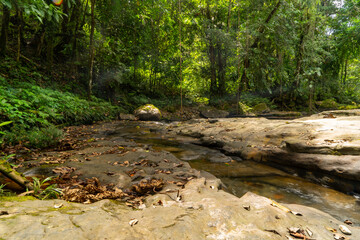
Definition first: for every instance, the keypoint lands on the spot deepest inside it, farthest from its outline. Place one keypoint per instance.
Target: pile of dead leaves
(148, 186)
(91, 190)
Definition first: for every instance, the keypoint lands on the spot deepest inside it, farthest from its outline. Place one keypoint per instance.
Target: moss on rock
(148, 112)
(260, 108)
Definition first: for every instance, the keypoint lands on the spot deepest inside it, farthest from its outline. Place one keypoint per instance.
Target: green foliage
(43, 190)
(244, 109)
(34, 111)
(328, 104)
(296, 51)
(36, 137)
(2, 190)
(253, 100)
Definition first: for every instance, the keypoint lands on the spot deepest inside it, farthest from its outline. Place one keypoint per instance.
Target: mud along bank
(324, 147)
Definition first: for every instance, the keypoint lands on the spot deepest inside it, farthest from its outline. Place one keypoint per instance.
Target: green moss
(147, 108)
(349, 107)
(260, 108)
(16, 198)
(244, 109)
(336, 153)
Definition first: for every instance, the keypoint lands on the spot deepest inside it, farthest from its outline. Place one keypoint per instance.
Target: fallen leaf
(331, 229)
(294, 230)
(300, 235)
(110, 173)
(296, 213)
(273, 231)
(339, 237)
(247, 207)
(4, 213)
(133, 222)
(58, 205)
(348, 222)
(345, 230)
(309, 232)
(275, 204)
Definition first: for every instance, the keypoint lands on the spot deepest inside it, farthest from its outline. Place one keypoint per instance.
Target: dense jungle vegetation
(78, 61)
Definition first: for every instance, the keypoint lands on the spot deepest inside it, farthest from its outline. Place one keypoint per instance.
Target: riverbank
(190, 204)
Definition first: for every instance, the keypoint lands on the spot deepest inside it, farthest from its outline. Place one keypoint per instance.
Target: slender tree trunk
(20, 38)
(92, 48)
(180, 46)
(257, 40)
(228, 17)
(18, 44)
(345, 72)
(221, 71)
(213, 85)
(4, 30)
(212, 58)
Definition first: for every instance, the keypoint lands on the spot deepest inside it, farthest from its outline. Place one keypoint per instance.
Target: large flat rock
(201, 212)
(327, 142)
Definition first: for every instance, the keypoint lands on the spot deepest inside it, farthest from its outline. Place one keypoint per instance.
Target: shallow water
(243, 176)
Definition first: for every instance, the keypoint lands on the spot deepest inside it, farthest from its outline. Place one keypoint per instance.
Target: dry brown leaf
(331, 229)
(272, 231)
(275, 204)
(348, 222)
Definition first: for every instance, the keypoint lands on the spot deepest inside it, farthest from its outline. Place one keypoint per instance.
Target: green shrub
(328, 104)
(34, 111)
(253, 100)
(36, 137)
(244, 109)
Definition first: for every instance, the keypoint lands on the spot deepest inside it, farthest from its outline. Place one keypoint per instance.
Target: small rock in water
(345, 230)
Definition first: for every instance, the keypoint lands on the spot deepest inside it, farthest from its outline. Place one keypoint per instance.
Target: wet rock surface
(327, 142)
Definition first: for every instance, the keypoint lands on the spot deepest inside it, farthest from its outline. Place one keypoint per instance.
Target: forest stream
(174, 181)
(241, 176)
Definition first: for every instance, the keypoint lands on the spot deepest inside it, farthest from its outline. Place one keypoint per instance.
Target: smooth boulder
(148, 112)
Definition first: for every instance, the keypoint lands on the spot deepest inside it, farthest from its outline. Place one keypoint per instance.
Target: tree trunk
(92, 49)
(213, 85)
(257, 40)
(345, 72)
(4, 30)
(180, 46)
(228, 17)
(212, 58)
(221, 72)
(7, 171)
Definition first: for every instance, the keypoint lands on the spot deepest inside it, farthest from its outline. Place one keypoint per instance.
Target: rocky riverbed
(326, 143)
(189, 204)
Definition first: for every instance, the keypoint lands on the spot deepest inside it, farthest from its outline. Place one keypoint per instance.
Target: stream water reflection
(243, 176)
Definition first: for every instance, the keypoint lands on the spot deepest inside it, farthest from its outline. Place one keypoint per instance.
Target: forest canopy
(293, 52)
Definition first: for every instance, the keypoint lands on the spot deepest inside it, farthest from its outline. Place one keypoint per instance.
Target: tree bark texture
(4, 30)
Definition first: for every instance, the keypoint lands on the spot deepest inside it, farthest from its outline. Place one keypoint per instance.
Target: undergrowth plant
(35, 111)
(49, 192)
